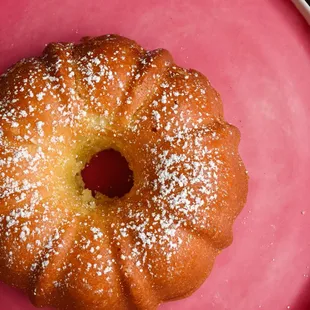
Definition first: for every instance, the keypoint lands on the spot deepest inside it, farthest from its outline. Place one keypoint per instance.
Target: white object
(304, 9)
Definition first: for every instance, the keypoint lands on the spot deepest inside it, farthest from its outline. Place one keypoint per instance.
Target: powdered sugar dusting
(59, 110)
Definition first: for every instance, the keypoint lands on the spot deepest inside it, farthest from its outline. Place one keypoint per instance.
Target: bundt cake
(70, 247)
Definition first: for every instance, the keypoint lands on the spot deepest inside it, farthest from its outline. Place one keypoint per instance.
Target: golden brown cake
(70, 249)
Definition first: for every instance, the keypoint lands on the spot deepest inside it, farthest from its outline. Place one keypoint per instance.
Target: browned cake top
(67, 248)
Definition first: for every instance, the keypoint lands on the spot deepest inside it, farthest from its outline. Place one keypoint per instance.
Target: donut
(70, 246)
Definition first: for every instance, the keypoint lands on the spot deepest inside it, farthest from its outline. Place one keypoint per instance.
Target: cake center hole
(108, 173)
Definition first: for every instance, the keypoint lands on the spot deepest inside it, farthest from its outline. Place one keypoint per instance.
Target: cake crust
(69, 250)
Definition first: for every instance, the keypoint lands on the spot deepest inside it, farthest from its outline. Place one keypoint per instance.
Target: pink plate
(257, 54)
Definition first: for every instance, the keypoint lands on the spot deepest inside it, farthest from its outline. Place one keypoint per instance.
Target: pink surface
(257, 54)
